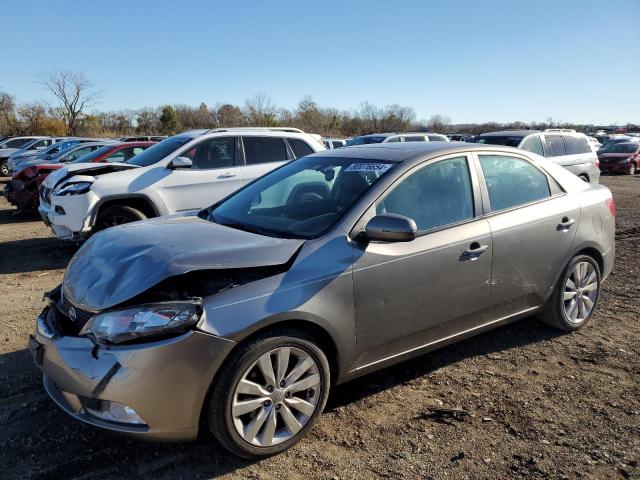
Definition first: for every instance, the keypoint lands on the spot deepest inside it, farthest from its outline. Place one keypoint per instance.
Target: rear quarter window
(300, 147)
(575, 145)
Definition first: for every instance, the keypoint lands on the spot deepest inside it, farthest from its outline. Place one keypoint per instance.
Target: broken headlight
(73, 188)
(153, 319)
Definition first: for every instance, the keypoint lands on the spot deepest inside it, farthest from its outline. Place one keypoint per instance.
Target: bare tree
(439, 123)
(74, 91)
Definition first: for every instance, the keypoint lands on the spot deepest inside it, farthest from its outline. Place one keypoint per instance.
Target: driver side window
(217, 152)
(436, 195)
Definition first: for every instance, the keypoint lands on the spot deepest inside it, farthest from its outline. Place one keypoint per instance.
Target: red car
(620, 158)
(22, 190)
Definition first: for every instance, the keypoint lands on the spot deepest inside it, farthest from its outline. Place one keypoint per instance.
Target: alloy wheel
(276, 396)
(580, 292)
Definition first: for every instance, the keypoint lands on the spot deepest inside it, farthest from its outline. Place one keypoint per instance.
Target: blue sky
(573, 60)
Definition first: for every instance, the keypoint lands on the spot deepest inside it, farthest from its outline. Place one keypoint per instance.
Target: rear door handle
(566, 223)
(226, 175)
(475, 250)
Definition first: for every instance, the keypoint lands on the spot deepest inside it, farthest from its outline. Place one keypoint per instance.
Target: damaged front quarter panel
(150, 260)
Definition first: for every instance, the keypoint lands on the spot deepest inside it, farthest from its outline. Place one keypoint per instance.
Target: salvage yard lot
(523, 401)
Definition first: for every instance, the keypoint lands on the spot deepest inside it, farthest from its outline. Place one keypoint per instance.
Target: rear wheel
(119, 215)
(4, 169)
(575, 297)
(584, 177)
(269, 393)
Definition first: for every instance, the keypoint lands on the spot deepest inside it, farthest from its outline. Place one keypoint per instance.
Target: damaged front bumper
(154, 390)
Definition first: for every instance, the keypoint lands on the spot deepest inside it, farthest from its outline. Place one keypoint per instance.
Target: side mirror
(181, 162)
(389, 227)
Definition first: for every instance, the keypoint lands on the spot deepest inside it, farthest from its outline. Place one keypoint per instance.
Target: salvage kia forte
(239, 318)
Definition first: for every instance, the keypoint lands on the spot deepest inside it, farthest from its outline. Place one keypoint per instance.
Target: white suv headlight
(151, 319)
(73, 188)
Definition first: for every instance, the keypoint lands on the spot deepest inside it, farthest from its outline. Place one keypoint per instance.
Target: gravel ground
(533, 403)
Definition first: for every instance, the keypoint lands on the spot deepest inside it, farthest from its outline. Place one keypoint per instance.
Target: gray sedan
(240, 317)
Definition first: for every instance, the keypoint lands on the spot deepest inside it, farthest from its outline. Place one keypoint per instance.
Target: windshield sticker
(368, 167)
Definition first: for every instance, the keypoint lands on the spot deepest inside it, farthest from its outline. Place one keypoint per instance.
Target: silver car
(242, 316)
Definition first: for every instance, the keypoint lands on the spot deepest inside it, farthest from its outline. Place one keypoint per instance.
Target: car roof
(510, 133)
(400, 152)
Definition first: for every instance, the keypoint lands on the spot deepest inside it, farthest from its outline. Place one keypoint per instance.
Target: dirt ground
(534, 403)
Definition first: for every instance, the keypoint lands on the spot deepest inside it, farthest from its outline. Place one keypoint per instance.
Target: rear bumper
(165, 381)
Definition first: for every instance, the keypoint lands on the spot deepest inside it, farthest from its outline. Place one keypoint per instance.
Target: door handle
(566, 223)
(475, 250)
(226, 175)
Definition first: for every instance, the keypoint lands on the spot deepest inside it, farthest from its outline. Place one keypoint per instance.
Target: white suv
(184, 172)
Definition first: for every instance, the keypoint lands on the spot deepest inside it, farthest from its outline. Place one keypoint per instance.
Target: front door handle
(475, 250)
(566, 223)
(226, 175)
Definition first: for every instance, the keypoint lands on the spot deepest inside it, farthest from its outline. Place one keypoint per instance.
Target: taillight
(598, 163)
(611, 205)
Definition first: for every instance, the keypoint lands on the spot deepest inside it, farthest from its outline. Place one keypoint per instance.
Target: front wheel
(119, 215)
(632, 169)
(575, 297)
(269, 393)
(4, 170)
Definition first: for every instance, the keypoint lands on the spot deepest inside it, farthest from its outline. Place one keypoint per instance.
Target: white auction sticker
(368, 167)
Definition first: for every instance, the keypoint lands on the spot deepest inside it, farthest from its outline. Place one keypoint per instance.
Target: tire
(4, 170)
(584, 178)
(632, 169)
(119, 215)
(226, 399)
(556, 312)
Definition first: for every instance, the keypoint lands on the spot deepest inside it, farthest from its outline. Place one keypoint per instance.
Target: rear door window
(415, 138)
(555, 145)
(512, 181)
(264, 150)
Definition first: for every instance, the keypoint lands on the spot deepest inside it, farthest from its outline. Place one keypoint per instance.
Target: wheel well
(138, 203)
(585, 177)
(593, 253)
(325, 341)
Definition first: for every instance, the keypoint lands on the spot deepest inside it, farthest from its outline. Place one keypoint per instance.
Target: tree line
(73, 113)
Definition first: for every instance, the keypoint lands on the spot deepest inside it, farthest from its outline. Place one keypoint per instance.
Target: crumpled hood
(121, 262)
(85, 169)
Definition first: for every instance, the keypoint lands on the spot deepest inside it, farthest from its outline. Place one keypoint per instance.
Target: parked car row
(286, 269)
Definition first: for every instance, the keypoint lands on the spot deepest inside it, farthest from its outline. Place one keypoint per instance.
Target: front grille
(82, 316)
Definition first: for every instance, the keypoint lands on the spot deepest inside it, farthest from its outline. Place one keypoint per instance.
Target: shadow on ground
(35, 254)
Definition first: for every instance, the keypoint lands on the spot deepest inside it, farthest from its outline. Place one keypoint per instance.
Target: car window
(300, 147)
(264, 149)
(366, 140)
(436, 195)
(16, 142)
(216, 152)
(437, 138)
(512, 181)
(533, 144)
(123, 154)
(81, 152)
(509, 141)
(415, 138)
(555, 145)
(575, 145)
(337, 144)
(41, 145)
(393, 139)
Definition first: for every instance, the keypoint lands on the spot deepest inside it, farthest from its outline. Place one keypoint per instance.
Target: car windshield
(302, 199)
(612, 142)
(506, 140)
(623, 148)
(365, 140)
(160, 150)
